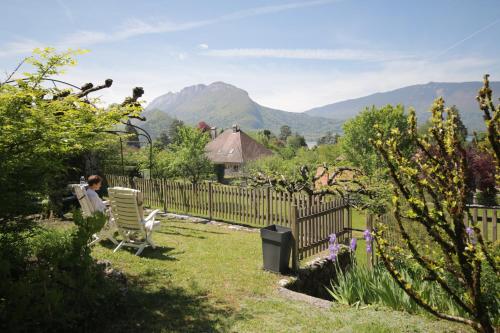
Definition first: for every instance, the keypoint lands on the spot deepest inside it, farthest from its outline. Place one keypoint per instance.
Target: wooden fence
(312, 226)
(312, 220)
(485, 216)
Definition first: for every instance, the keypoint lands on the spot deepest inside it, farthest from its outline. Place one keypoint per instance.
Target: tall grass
(360, 285)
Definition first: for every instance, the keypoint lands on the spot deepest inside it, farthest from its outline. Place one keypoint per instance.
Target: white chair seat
(127, 211)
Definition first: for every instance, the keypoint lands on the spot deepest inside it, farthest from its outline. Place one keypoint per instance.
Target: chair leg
(119, 246)
(110, 236)
(141, 248)
(97, 239)
(149, 239)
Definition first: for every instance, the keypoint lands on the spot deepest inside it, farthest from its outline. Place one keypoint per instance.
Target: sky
(291, 55)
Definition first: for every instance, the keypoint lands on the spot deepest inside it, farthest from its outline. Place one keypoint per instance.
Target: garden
(392, 198)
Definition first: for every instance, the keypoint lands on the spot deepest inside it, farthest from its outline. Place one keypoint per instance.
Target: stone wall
(314, 277)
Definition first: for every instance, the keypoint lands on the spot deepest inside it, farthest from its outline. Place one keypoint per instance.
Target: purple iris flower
(368, 238)
(333, 238)
(333, 248)
(354, 244)
(471, 234)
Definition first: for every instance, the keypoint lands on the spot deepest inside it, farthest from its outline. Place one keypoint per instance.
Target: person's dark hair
(94, 179)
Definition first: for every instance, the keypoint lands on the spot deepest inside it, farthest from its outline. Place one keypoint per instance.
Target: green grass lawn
(206, 278)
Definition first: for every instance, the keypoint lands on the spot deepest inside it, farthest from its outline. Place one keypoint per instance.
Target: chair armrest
(152, 215)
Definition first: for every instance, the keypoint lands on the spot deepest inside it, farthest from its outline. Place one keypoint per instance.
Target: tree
(42, 127)
(173, 130)
(491, 116)
(296, 141)
(481, 174)
(49, 277)
(285, 132)
(462, 130)
(430, 194)
(359, 130)
(163, 140)
(328, 139)
(189, 159)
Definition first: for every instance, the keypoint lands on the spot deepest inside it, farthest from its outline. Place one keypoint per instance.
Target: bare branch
(13, 72)
(90, 88)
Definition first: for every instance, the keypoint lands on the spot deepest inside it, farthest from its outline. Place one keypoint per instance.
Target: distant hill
(421, 96)
(156, 122)
(222, 105)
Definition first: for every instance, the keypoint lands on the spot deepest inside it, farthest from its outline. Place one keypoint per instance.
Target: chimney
(236, 128)
(213, 132)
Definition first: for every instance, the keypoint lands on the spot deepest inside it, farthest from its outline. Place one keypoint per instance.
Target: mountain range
(221, 105)
(421, 96)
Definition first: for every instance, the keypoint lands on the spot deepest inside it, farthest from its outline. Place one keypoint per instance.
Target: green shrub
(49, 280)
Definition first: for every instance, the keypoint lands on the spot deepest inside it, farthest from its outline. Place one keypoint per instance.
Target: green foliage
(189, 159)
(49, 280)
(461, 129)
(360, 130)
(296, 141)
(163, 140)
(173, 130)
(328, 139)
(430, 191)
(285, 132)
(42, 127)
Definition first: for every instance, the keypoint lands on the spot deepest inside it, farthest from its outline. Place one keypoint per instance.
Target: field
(206, 278)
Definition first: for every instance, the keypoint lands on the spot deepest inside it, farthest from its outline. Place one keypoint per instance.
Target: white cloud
(311, 54)
(136, 27)
(299, 90)
(284, 87)
(273, 9)
(203, 46)
(67, 11)
(19, 47)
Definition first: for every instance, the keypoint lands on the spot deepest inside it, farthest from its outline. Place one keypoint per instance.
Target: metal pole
(150, 141)
(121, 153)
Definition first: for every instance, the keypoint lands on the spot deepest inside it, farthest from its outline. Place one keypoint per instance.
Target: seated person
(95, 183)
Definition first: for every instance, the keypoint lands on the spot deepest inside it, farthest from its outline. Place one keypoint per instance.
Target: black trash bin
(276, 247)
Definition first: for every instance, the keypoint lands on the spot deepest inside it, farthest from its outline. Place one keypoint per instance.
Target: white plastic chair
(127, 211)
(109, 228)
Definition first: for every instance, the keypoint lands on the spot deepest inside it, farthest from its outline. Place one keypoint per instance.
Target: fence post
(210, 201)
(349, 218)
(295, 236)
(369, 255)
(268, 210)
(163, 194)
